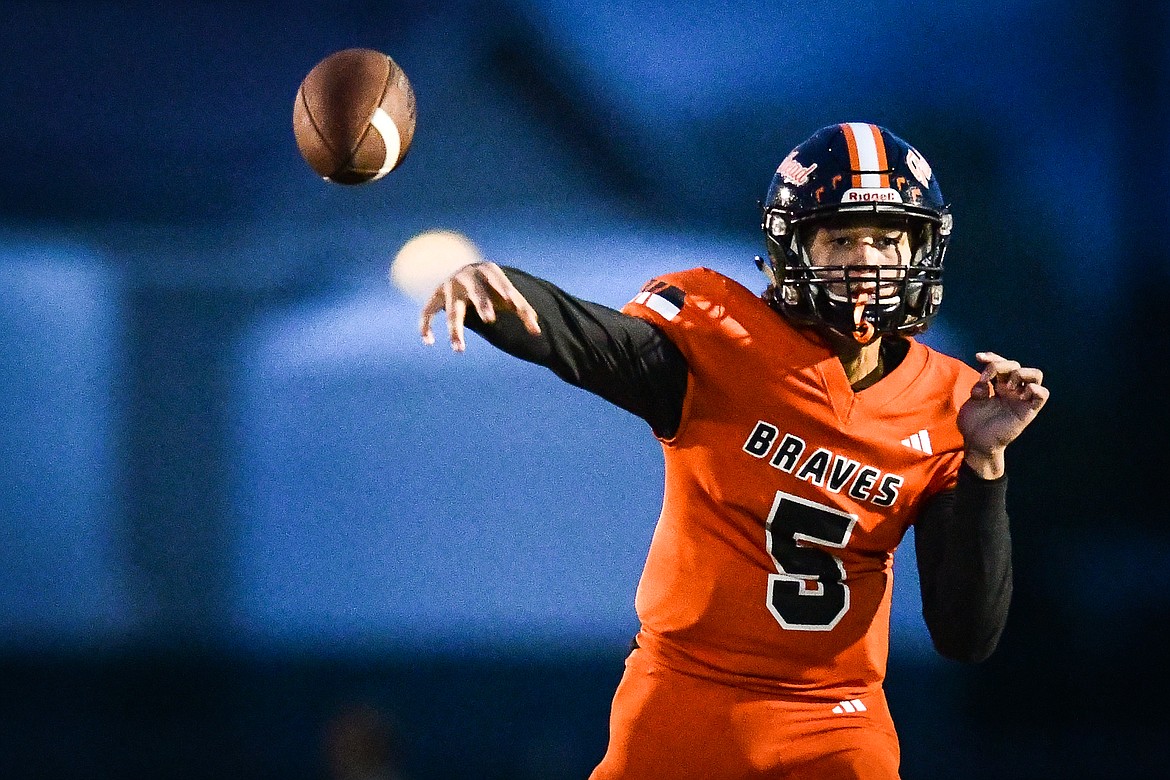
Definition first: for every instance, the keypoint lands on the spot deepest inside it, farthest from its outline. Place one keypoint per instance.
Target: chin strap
(863, 330)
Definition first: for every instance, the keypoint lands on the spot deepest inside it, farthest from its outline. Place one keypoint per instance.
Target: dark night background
(248, 522)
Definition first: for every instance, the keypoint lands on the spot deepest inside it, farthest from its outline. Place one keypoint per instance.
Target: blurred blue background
(250, 525)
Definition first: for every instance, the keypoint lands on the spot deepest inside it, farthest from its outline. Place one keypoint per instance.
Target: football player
(804, 430)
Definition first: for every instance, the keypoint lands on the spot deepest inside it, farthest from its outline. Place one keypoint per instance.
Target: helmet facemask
(861, 301)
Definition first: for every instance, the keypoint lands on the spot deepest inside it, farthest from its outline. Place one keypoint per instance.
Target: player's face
(876, 251)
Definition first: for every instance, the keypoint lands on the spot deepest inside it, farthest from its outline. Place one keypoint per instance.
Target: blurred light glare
(60, 555)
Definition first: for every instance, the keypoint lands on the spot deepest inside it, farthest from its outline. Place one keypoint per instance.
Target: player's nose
(866, 252)
(860, 253)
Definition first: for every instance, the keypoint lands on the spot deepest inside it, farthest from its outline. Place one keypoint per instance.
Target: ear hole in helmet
(775, 224)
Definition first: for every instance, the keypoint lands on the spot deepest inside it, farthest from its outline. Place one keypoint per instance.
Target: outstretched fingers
(483, 286)
(507, 292)
(433, 306)
(456, 307)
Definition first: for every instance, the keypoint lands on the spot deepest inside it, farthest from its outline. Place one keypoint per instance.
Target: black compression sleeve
(964, 550)
(625, 360)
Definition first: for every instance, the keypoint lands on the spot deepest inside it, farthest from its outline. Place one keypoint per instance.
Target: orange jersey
(786, 495)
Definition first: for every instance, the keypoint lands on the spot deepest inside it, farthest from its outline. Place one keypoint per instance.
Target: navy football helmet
(846, 171)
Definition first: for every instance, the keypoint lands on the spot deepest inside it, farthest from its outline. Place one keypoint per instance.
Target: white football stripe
(867, 154)
(386, 128)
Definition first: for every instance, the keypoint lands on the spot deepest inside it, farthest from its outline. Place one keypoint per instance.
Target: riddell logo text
(822, 467)
(871, 196)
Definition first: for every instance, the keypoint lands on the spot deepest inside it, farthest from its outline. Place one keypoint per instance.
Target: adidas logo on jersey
(852, 705)
(919, 441)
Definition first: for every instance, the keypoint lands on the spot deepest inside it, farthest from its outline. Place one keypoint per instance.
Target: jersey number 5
(809, 593)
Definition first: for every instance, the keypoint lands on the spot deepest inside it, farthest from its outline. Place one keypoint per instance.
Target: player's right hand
(485, 287)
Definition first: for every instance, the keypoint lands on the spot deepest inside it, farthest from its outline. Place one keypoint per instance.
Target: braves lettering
(822, 467)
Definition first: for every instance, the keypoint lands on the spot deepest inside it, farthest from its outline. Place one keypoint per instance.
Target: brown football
(354, 116)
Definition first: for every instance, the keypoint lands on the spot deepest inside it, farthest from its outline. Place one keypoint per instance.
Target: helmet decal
(918, 166)
(793, 172)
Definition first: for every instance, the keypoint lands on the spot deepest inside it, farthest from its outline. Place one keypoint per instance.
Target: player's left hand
(1005, 399)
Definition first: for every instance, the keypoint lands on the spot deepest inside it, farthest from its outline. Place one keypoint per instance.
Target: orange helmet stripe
(867, 152)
